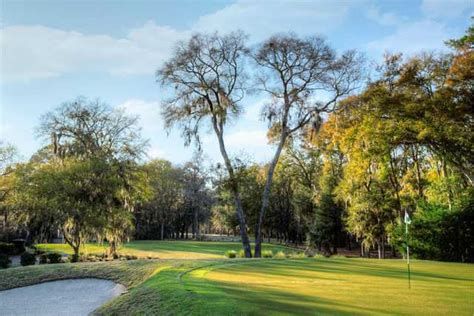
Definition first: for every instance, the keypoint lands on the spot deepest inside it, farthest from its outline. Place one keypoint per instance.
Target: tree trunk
(234, 189)
(162, 233)
(266, 196)
(197, 234)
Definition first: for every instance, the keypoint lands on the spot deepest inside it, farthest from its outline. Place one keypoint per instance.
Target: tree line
(354, 151)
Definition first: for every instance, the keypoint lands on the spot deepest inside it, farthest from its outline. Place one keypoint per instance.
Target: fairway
(166, 249)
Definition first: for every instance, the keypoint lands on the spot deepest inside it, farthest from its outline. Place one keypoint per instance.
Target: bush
(7, 248)
(27, 259)
(298, 255)
(439, 234)
(242, 253)
(267, 254)
(231, 254)
(4, 261)
(280, 255)
(54, 257)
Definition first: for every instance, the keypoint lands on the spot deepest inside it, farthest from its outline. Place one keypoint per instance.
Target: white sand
(66, 297)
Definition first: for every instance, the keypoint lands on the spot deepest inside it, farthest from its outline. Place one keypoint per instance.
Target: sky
(54, 51)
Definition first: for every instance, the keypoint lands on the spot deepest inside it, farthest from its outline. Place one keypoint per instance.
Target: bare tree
(207, 76)
(304, 78)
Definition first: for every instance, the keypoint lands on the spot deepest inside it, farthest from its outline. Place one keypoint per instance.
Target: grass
(166, 249)
(336, 286)
(128, 273)
(342, 286)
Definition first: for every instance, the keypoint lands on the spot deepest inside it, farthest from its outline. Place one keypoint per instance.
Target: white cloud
(446, 8)
(35, 51)
(253, 111)
(385, 18)
(155, 153)
(148, 113)
(260, 18)
(413, 37)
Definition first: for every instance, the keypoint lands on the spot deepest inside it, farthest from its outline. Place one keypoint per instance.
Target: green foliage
(241, 253)
(27, 259)
(231, 254)
(54, 257)
(439, 234)
(280, 255)
(267, 254)
(296, 255)
(4, 261)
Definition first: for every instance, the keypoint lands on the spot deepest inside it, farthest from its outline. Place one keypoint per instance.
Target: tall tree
(101, 144)
(295, 72)
(196, 192)
(208, 80)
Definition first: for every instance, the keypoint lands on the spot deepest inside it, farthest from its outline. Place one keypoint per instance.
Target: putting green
(334, 286)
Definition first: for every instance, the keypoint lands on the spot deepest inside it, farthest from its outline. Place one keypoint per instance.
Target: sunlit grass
(342, 286)
(265, 286)
(166, 249)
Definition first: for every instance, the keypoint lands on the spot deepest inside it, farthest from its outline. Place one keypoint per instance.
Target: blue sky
(54, 51)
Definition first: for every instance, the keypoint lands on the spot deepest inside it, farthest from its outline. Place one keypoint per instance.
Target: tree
(8, 155)
(94, 148)
(208, 80)
(167, 186)
(293, 71)
(83, 128)
(196, 192)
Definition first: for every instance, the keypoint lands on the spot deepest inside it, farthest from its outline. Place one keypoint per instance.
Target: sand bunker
(66, 297)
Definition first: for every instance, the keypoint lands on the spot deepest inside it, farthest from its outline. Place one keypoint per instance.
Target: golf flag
(407, 218)
(407, 222)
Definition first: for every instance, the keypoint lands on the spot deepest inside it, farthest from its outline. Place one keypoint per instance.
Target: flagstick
(408, 255)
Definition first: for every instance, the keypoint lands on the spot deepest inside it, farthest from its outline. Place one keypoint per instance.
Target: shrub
(267, 254)
(231, 254)
(27, 259)
(54, 257)
(297, 255)
(7, 248)
(242, 253)
(280, 255)
(4, 261)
